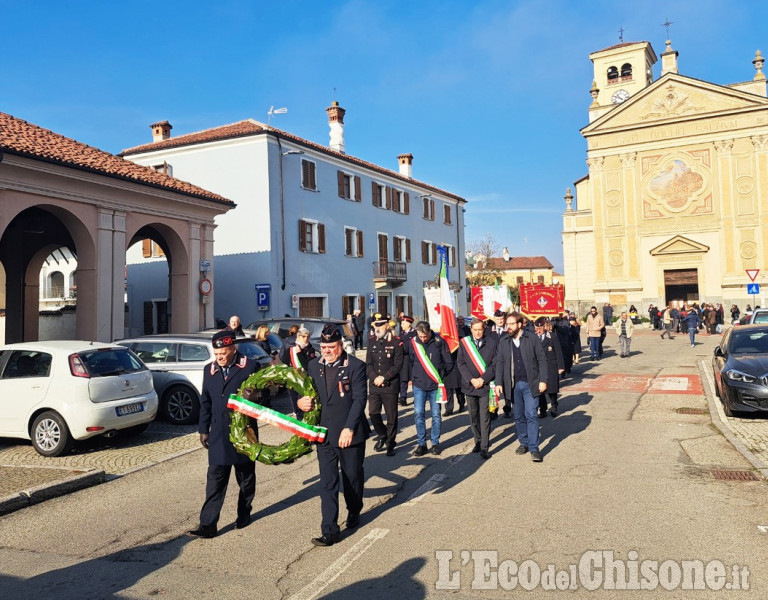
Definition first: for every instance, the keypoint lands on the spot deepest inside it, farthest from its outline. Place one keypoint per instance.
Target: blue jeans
(692, 335)
(526, 417)
(594, 347)
(420, 398)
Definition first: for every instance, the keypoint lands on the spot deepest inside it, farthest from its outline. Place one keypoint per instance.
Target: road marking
(430, 484)
(340, 565)
(670, 383)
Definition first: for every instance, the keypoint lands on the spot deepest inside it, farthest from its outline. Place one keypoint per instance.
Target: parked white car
(56, 392)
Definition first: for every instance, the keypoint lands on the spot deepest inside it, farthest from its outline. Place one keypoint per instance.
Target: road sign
(263, 286)
(753, 288)
(371, 300)
(752, 274)
(205, 266)
(262, 299)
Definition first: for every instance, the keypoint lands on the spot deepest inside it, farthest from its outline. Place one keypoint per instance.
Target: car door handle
(37, 387)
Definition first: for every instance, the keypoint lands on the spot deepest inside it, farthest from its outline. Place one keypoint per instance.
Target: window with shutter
(453, 256)
(407, 250)
(389, 198)
(396, 200)
(146, 248)
(358, 189)
(302, 235)
(375, 198)
(447, 214)
(383, 251)
(431, 210)
(340, 182)
(406, 203)
(426, 208)
(520, 280)
(321, 238)
(308, 174)
(359, 242)
(424, 253)
(434, 253)
(410, 306)
(396, 249)
(541, 279)
(348, 241)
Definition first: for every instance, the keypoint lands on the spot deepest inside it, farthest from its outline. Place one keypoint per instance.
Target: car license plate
(129, 409)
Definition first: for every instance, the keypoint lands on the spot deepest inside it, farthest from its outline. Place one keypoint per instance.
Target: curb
(46, 491)
(721, 422)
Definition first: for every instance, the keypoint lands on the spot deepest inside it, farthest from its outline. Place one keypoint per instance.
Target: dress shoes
(447, 413)
(243, 523)
(535, 457)
(202, 532)
(436, 449)
(476, 448)
(553, 411)
(353, 520)
(327, 540)
(420, 451)
(403, 402)
(521, 450)
(485, 455)
(542, 413)
(380, 444)
(461, 407)
(391, 450)
(507, 414)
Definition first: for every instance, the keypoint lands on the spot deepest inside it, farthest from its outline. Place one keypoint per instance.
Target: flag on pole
(448, 328)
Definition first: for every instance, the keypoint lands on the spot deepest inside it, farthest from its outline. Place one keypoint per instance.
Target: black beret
(330, 334)
(499, 313)
(222, 339)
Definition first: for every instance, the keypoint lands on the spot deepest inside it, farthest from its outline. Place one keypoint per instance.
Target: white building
(326, 231)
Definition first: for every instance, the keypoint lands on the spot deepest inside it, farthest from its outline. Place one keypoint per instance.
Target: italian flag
(448, 328)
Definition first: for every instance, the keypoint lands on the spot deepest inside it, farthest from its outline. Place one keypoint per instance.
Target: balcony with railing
(393, 273)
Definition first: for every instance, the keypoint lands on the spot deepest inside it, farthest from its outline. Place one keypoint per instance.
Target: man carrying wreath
(476, 363)
(341, 384)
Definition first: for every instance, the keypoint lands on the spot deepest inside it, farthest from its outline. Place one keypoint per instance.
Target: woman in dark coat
(555, 365)
(575, 339)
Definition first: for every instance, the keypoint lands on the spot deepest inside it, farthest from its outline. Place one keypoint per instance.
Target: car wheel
(726, 407)
(717, 389)
(50, 434)
(181, 405)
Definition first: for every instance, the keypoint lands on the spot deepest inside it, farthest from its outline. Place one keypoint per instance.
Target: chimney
(336, 123)
(505, 254)
(161, 131)
(669, 60)
(406, 165)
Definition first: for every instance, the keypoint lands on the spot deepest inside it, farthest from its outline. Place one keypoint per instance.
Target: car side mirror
(718, 351)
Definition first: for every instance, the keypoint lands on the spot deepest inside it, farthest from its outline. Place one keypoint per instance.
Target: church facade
(674, 207)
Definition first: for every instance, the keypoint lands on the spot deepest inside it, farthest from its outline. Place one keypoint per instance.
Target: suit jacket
(214, 414)
(468, 370)
(533, 357)
(554, 353)
(345, 411)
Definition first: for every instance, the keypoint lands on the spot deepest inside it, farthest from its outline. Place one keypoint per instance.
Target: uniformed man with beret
(223, 377)
(407, 333)
(384, 362)
(341, 387)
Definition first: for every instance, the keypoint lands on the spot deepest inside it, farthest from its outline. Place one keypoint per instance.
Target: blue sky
(488, 96)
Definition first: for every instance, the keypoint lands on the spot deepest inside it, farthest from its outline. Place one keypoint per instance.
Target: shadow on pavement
(402, 578)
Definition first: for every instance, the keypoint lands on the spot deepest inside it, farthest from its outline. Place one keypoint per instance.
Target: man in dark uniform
(341, 387)
(384, 362)
(223, 377)
(407, 333)
(499, 331)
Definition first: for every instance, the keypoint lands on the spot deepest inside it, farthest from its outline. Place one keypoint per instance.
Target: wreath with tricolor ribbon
(305, 431)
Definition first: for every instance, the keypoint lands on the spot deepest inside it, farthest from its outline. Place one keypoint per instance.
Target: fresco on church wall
(676, 184)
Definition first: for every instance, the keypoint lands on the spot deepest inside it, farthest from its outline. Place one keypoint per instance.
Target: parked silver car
(176, 362)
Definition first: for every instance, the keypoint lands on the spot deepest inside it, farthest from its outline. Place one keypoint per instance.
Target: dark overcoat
(344, 407)
(533, 357)
(214, 414)
(406, 337)
(554, 353)
(489, 345)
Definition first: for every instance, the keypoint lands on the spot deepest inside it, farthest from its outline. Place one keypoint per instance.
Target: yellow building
(675, 204)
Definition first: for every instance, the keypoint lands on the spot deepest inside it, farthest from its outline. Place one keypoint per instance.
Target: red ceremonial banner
(537, 299)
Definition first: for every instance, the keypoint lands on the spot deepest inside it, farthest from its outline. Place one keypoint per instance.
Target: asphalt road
(625, 478)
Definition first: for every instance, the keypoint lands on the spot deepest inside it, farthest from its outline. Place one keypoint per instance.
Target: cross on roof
(666, 24)
(621, 35)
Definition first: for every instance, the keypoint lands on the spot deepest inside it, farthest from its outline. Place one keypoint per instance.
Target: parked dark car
(176, 362)
(280, 326)
(740, 365)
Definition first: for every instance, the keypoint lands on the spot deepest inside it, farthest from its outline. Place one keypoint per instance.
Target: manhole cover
(735, 475)
(691, 411)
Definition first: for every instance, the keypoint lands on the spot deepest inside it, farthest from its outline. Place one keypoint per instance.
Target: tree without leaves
(481, 250)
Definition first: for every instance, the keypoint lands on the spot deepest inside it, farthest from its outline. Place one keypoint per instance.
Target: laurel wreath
(243, 436)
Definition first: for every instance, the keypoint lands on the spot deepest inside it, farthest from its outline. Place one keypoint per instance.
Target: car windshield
(761, 317)
(749, 342)
(111, 361)
(251, 350)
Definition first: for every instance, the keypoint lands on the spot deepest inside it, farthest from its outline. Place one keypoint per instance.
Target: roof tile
(25, 139)
(517, 262)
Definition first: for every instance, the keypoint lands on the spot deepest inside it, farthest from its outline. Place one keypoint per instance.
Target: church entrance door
(681, 285)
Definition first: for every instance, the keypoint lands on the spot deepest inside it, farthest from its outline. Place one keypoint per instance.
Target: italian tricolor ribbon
(429, 368)
(295, 361)
(313, 433)
(477, 359)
